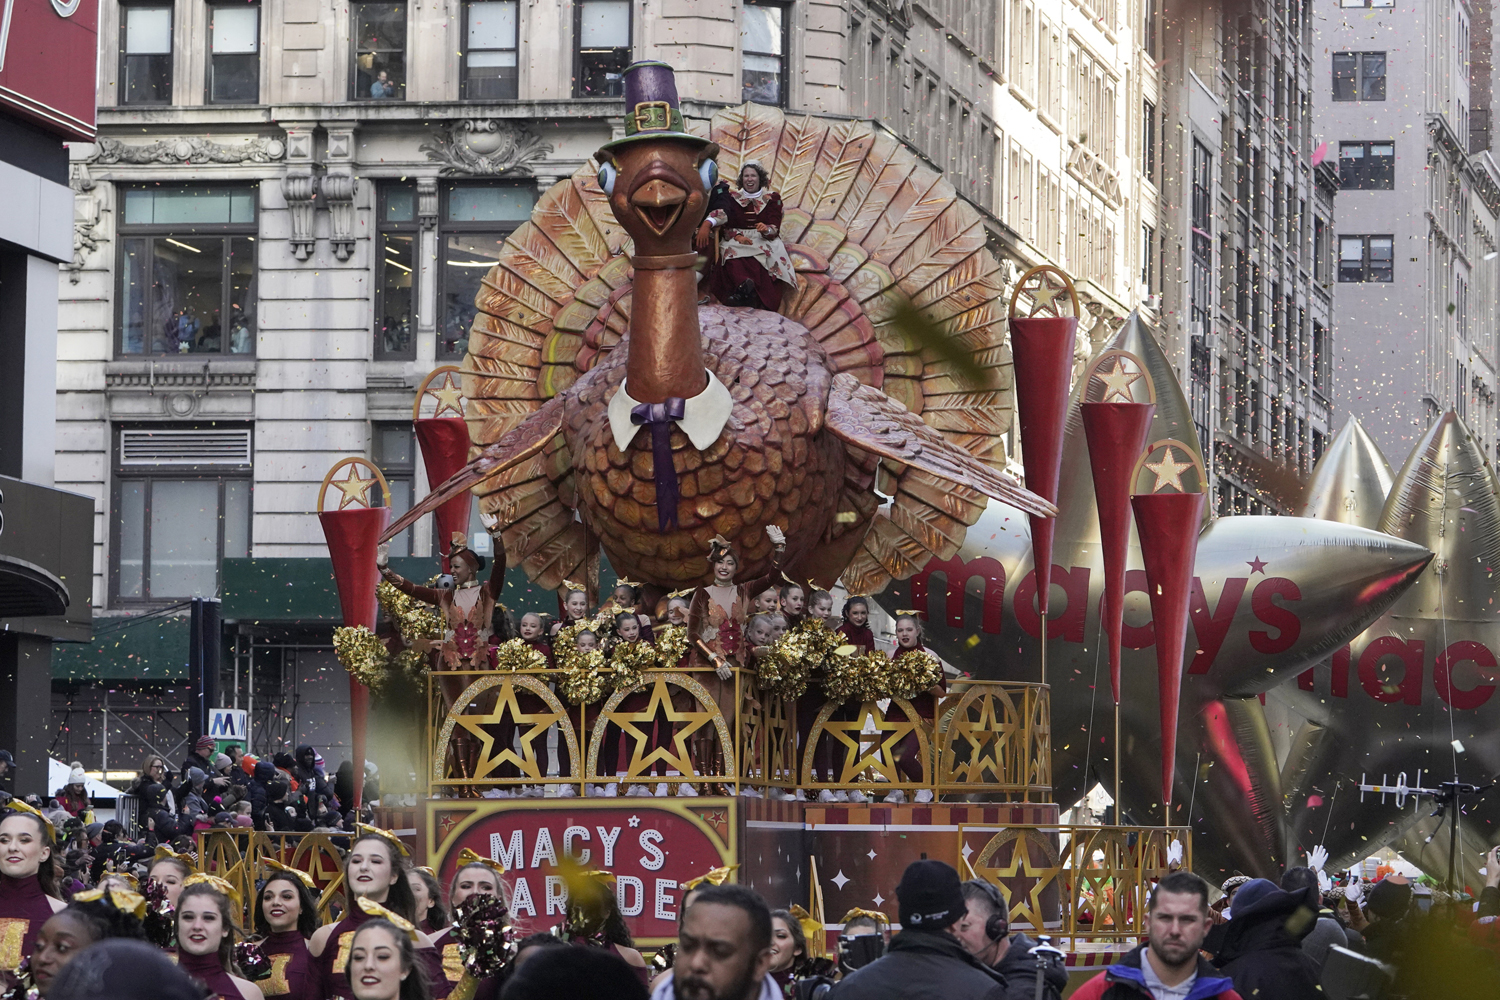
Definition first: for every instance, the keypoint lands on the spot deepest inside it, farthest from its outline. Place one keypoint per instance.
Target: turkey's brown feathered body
(773, 464)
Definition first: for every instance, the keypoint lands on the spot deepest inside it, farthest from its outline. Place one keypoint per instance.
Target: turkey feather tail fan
(514, 447)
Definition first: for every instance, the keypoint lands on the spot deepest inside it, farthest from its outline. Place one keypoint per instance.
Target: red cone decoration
(1116, 434)
(353, 535)
(1168, 524)
(1042, 349)
(445, 450)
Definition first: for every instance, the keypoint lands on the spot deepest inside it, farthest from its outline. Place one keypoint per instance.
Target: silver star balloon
(1416, 691)
(1271, 595)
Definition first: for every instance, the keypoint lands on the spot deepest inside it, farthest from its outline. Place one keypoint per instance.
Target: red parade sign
(48, 54)
(651, 847)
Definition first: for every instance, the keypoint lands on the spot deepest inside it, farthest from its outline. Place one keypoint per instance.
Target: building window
(1148, 26)
(146, 55)
(602, 30)
(234, 54)
(475, 220)
(181, 503)
(396, 268)
(1148, 141)
(379, 52)
(187, 270)
(490, 55)
(1320, 249)
(763, 52)
(394, 451)
(1148, 258)
(1367, 166)
(1202, 240)
(1366, 258)
(1359, 76)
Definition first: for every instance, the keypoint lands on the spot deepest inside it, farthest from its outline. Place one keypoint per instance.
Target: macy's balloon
(1417, 689)
(1269, 595)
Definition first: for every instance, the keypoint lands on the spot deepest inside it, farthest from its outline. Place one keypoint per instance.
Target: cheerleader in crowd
(788, 951)
(476, 876)
(92, 916)
(169, 870)
(594, 921)
(428, 896)
(28, 880)
(374, 873)
(383, 964)
(286, 916)
(205, 938)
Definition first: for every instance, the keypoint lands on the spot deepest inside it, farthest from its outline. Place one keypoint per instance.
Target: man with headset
(985, 933)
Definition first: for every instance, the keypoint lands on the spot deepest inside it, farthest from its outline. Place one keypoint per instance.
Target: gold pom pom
(518, 654)
(628, 661)
(912, 672)
(362, 654)
(413, 618)
(671, 645)
(861, 678)
(585, 680)
(803, 651)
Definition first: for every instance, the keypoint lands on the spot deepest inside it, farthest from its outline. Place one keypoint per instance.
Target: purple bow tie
(660, 417)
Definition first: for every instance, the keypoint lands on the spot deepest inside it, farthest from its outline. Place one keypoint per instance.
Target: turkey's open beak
(658, 202)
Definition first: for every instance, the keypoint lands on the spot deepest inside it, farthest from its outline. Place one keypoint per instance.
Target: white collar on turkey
(703, 416)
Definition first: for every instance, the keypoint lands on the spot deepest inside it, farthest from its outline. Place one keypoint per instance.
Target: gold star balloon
(1269, 596)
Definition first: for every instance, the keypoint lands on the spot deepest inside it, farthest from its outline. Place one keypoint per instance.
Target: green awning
(153, 648)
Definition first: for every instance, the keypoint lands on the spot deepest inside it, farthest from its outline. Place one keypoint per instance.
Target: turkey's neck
(666, 347)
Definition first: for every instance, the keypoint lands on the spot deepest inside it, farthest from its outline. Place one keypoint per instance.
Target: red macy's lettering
(1268, 603)
(1409, 658)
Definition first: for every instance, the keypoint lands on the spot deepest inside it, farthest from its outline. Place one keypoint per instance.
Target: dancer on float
(92, 916)
(476, 876)
(716, 622)
(855, 627)
(205, 938)
(383, 964)
(924, 703)
(375, 881)
(286, 915)
(28, 880)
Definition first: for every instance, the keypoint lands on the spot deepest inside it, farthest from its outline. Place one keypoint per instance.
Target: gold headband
(680, 593)
(134, 882)
(298, 873)
(875, 915)
(121, 899)
(570, 586)
(374, 909)
(426, 870)
(622, 582)
(363, 829)
(219, 884)
(716, 876)
(164, 852)
(794, 583)
(467, 857)
(29, 809)
(812, 931)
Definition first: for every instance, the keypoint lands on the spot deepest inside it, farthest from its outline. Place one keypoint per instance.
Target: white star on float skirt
(878, 899)
(635, 821)
(841, 879)
(871, 855)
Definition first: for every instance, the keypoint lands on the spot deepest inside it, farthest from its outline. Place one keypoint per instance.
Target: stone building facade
(292, 203)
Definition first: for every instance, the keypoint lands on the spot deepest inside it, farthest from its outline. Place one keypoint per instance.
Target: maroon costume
(23, 910)
(294, 974)
(209, 971)
(732, 272)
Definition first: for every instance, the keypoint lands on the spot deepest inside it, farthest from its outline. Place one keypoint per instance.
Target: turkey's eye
(607, 174)
(709, 171)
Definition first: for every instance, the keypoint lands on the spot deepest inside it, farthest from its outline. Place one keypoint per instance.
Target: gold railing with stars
(510, 732)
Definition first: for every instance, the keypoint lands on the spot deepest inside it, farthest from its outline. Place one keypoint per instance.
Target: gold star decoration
(870, 741)
(354, 489)
(449, 397)
(491, 757)
(1117, 381)
(1044, 296)
(1168, 472)
(679, 757)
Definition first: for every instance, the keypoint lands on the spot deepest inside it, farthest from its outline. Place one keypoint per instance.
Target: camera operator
(985, 933)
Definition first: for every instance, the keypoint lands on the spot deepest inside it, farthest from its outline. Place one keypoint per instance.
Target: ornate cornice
(189, 150)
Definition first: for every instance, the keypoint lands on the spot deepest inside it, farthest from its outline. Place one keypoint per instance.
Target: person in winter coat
(1327, 931)
(259, 793)
(985, 933)
(1167, 966)
(925, 961)
(193, 802)
(315, 787)
(1260, 953)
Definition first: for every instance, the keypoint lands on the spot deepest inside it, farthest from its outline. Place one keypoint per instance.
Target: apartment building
(1403, 102)
(1247, 206)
